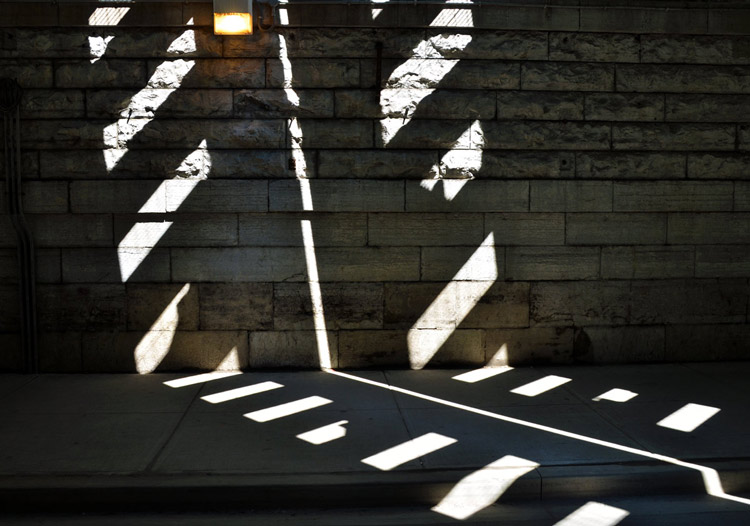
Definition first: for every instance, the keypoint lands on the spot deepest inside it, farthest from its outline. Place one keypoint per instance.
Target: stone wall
(550, 183)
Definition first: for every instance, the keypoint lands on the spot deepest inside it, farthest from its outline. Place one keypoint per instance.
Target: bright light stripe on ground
(540, 386)
(200, 378)
(616, 395)
(402, 453)
(325, 434)
(482, 488)
(240, 392)
(688, 418)
(478, 375)
(711, 478)
(290, 408)
(594, 514)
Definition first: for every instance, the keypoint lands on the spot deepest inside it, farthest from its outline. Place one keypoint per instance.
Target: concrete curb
(202, 491)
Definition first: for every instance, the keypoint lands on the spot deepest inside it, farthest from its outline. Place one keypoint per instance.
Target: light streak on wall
(458, 298)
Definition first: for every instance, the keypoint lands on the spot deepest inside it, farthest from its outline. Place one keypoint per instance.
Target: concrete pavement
(434, 439)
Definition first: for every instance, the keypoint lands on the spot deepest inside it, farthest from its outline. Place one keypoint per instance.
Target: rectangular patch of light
(200, 378)
(594, 514)
(325, 434)
(402, 453)
(616, 395)
(233, 394)
(540, 386)
(483, 487)
(478, 375)
(688, 418)
(280, 411)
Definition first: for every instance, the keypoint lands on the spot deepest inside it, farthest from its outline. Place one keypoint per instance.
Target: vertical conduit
(10, 102)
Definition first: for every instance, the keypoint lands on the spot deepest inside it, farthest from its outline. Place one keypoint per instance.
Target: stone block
(378, 164)
(261, 46)
(485, 45)
(424, 133)
(207, 351)
(207, 73)
(441, 104)
(624, 107)
(567, 76)
(551, 263)
(505, 164)
(90, 307)
(8, 266)
(431, 73)
(503, 305)
(701, 343)
(718, 166)
(10, 308)
(155, 14)
(285, 230)
(643, 20)
(8, 236)
(744, 137)
(345, 306)
(313, 73)
(370, 264)
(297, 349)
(425, 229)
(619, 344)
(52, 104)
(615, 229)
(579, 303)
(65, 135)
(101, 74)
(683, 78)
(363, 103)
(729, 21)
(530, 346)
(683, 137)
(694, 49)
(667, 196)
(29, 73)
(345, 43)
(547, 17)
(255, 164)
(165, 43)
(475, 196)
(275, 103)
(708, 229)
(330, 133)
(539, 105)
(594, 47)
(148, 303)
(88, 197)
(571, 196)
(60, 352)
(72, 230)
(29, 167)
(20, 14)
(149, 103)
(102, 265)
(233, 306)
(641, 165)
(188, 133)
(216, 196)
(338, 196)
(526, 228)
(689, 301)
(741, 196)
(373, 348)
(722, 261)
(48, 197)
(708, 108)
(444, 263)
(648, 262)
(238, 264)
(48, 265)
(546, 135)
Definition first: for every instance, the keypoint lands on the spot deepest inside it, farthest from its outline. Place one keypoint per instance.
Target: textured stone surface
(475, 196)
(338, 196)
(346, 306)
(526, 228)
(567, 76)
(648, 262)
(444, 73)
(708, 108)
(29, 74)
(683, 78)
(72, 230)
(101, 74)
(341, 133)
(207, 73)
(378, 164)
(673, 196)
(580, 303)
(625, 107)
(594, 47)
(619, 344)
(718, 166)
(502, 164)
(607, 165)
(708, 229)
(540, 105)
(531, 346)
(81, 307)
(425, 229)
(233, 306)
(60, 352)
(551, 263)
(444, 263)
(571, 196)
(707, 342)
(237, 264)
(101, 265)
(727, 261)
(616, 19)
(615, 229)
(546, 135)
(695, 49)
(50, 197)
(235, 133)
(339, 229)
(147, 302)
(683, 137)
(289, 349)
(268, 103)
(148, 103)
(52, 104)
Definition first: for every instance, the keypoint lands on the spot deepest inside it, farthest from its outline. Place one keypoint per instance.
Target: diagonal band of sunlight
(457, 299)
(711, 479)
(300, 169)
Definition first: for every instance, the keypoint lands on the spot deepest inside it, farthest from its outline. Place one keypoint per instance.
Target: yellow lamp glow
(233, 17)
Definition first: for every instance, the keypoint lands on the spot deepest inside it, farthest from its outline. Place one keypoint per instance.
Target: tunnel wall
(558, 182)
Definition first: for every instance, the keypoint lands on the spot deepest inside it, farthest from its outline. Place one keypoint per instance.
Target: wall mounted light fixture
(233, 17)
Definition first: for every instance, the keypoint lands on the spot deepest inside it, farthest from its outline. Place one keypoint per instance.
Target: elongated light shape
(233, 17)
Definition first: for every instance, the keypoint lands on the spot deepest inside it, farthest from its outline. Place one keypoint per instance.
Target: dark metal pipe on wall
(10, 102)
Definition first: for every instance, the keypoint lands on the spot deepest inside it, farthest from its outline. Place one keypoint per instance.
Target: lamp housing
(233, 17)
